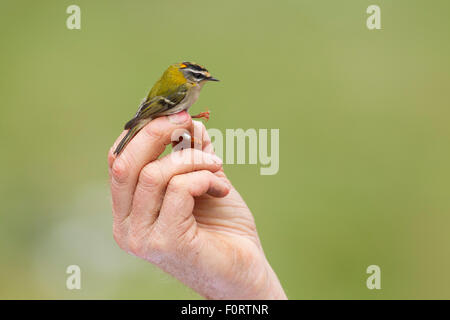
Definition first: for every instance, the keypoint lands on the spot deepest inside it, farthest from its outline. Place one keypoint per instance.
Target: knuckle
(154, 130)
(151, 176)
(120, 169)
(157, 245)
(206, 175)
(135, 246)
(176, 184)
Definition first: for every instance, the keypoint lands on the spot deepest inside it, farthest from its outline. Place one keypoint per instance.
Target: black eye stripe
(198, 75)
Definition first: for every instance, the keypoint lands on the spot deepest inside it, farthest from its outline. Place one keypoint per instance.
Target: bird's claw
(204, 115)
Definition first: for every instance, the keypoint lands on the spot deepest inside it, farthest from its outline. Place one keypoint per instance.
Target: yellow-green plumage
(169, 81)
(176, 90)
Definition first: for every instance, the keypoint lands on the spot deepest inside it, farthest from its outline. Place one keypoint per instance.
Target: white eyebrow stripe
(196, 71)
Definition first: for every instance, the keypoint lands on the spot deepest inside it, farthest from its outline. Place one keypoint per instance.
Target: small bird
(176, 90)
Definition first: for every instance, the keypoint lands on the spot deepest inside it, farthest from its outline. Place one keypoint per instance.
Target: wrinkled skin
(185, 216)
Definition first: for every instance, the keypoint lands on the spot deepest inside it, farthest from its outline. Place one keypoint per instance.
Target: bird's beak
(212, 79)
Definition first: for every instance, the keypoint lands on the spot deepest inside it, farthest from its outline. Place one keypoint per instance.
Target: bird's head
(195, 73)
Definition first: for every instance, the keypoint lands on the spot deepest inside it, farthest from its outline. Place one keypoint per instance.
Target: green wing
(154, 106)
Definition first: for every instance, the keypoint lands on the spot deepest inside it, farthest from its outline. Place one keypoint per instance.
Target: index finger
(145, 147)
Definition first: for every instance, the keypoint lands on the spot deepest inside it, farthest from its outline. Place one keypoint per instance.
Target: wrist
(265, 287)
(273, 290)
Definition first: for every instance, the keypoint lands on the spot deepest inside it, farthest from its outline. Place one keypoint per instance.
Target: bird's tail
(130, 134)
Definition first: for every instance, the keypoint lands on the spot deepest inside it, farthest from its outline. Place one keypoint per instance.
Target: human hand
(185, 216)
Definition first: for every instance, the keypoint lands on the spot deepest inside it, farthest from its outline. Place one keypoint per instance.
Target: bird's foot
(204, 115)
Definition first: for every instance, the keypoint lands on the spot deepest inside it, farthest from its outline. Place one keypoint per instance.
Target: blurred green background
(364, 138)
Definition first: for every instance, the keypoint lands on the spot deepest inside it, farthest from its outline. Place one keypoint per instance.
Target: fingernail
(179, 118)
